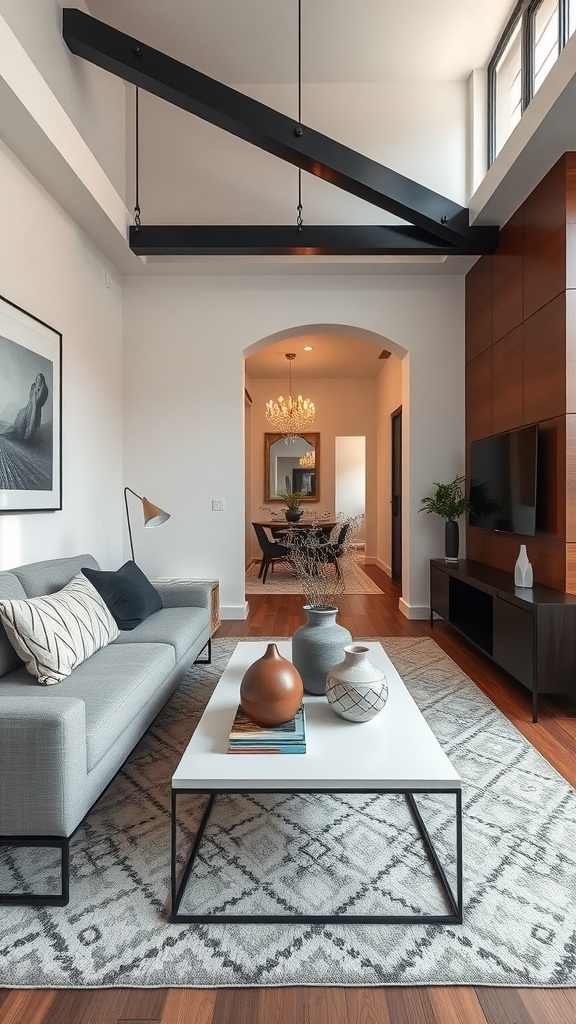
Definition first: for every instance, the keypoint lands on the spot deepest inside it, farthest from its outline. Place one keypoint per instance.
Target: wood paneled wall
(521, 366)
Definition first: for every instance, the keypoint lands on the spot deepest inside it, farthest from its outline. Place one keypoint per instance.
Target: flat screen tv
(503, 477)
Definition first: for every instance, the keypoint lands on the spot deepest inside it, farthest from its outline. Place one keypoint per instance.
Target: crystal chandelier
(290, 416)
(308, 460)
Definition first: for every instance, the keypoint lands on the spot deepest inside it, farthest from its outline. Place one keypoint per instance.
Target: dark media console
(529, 632)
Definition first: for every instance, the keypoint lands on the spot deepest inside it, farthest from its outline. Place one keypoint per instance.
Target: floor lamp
(153, 516)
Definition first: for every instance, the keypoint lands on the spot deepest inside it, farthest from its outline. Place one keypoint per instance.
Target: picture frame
(282, 458)
(30, 412)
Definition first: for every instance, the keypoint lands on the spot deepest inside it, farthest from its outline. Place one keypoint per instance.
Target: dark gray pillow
(128, 594)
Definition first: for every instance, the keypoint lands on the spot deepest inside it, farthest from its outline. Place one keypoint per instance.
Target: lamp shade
(153, 516)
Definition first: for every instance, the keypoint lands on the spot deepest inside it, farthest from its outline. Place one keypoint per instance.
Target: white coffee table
(394, 753)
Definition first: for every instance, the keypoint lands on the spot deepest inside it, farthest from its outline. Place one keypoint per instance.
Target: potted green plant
(292, 498)
(450, 502)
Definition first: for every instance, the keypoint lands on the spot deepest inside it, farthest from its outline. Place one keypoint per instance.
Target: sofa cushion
(40, 578)
(127, 592)
(19, 683)
(11, 587)
(179, 627)
(115, 685)
(53, 634)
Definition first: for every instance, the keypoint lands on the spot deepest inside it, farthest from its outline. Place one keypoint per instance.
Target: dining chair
(332, 548)
(272, 551)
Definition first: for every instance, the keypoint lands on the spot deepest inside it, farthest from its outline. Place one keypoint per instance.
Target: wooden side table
(214, 597)
(214, 604)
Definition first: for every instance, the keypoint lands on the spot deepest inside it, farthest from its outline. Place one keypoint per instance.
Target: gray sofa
(61, 745)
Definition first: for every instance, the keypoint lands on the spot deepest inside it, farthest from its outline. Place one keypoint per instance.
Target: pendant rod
(137, 211)
(299, 220)
(300, 63)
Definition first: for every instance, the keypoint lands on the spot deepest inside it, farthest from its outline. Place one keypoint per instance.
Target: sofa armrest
(43, 764)
(182, 593)
(186, 593)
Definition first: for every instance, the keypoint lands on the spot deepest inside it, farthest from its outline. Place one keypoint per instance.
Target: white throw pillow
(55, 633)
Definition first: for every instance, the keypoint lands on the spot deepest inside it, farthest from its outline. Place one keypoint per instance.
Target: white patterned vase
(356, 689)
(523, 575)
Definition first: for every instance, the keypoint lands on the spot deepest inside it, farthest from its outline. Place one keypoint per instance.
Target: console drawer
(513, 640)
(439, 592)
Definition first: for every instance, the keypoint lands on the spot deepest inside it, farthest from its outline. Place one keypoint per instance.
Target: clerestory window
(526, 51)
(508, 88)
(546, 40)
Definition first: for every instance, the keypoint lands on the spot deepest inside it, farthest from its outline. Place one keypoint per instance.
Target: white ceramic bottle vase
(523, 575)
(356, 689)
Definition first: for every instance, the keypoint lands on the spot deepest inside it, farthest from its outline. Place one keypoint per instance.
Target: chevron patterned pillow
(55, 633)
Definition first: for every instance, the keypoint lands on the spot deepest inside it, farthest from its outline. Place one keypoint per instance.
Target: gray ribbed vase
(317, 646)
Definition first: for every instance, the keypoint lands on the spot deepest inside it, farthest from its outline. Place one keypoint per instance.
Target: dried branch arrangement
(319, 562)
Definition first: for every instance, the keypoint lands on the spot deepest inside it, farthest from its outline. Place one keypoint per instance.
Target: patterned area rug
(320, 851)
(283, 580)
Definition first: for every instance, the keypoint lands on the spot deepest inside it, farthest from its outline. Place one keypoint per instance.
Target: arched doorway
(356, 379)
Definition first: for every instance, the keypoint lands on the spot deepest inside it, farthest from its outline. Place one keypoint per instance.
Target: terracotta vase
(271, 690)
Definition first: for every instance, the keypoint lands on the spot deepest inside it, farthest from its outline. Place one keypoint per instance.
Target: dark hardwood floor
(367, 615)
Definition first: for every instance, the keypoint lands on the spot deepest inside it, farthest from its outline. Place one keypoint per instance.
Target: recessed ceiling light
(308, 348)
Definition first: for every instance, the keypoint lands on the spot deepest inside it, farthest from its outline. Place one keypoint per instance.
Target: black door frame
(396, 494)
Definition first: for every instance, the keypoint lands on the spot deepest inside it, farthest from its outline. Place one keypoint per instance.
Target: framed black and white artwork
(30, 412)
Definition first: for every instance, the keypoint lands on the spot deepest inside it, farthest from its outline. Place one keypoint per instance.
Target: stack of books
(248, 738)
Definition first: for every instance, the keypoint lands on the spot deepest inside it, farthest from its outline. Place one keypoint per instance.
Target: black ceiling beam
(286, 240)
(157, 73)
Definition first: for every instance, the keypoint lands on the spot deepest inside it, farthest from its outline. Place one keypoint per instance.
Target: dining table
(282, 525)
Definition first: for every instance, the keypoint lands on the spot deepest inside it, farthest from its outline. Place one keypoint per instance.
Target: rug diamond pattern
(286, 851)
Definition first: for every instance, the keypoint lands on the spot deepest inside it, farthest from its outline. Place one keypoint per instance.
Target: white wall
(184, 398)
(48, 267)
(94, 100)
(389, 398)
(209, 176)
(343, 406)
(248, 532)
(477, 131)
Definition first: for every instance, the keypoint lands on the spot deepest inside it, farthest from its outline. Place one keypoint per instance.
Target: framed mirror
(293, 466)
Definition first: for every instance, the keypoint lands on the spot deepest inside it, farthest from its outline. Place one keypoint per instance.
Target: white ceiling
(358, 41)
(386, 77)
(333, 355)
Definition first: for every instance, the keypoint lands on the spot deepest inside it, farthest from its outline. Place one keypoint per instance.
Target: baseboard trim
(234, 611)
(413, 611)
